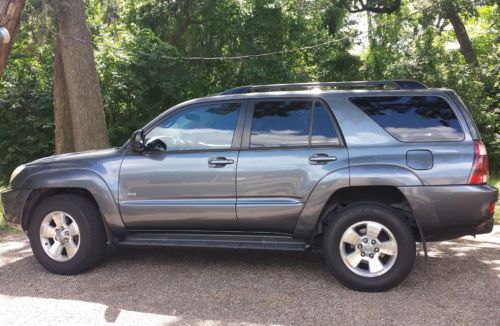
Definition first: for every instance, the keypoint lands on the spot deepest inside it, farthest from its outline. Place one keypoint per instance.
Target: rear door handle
(219, 162)
(321, 158)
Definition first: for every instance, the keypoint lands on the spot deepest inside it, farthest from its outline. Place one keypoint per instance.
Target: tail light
(479, 173)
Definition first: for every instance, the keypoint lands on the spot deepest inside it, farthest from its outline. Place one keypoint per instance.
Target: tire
(342, 249)
(87, 248)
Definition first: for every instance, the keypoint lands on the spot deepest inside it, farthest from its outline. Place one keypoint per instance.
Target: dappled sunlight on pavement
(459, 283)
(13, 248)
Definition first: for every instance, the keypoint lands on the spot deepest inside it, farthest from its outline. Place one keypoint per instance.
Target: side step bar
(264, 242)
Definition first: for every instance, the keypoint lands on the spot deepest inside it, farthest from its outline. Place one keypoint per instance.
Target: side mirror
(137, 141)
(155, 144)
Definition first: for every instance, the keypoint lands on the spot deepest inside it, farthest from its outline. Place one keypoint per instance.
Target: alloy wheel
(60, 236)
(368, 248)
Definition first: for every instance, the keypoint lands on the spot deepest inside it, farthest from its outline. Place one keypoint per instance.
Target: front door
(288, 146)
(192, 184)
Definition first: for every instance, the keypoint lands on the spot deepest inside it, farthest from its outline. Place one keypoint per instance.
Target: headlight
(16, 172)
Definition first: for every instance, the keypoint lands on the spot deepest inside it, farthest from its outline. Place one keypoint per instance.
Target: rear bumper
(456, 232)
(13, 202)
(447, 212)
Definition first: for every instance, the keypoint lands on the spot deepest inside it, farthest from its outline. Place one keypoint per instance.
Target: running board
(265, 242)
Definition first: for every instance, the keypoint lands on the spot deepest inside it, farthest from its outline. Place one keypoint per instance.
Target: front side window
(281, 123)
(413, 118)
(204, 127)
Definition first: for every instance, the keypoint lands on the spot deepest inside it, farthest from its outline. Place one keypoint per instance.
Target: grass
(495, 181)
(5, 228)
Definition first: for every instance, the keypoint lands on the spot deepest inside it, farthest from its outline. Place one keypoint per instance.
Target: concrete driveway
(460, 283)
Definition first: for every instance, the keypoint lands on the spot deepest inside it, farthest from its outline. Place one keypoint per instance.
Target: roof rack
(398, 84)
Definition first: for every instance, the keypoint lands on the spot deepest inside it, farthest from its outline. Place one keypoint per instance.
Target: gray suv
(360, 170)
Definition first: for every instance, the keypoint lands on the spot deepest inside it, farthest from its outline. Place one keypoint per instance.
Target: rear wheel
(66, 234)
(369, 247)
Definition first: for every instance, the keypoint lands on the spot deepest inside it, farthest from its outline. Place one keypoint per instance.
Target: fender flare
(85, 179)
(317, 200)
(358, 175)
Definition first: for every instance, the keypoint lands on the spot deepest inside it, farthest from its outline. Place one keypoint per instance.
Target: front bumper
(447, 212)
(13, 203)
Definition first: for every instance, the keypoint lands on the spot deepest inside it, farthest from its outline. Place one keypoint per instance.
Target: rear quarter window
(413, 118)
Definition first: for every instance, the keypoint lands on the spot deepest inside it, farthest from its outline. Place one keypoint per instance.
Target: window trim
(247, 131)
(237, 136)
(453, 109)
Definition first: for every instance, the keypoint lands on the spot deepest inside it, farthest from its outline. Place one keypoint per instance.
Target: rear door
(288, 146)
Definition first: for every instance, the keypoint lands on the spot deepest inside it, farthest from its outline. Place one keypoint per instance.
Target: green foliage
(140, 82)
(135, 37)
(495, 181)
(26, 109)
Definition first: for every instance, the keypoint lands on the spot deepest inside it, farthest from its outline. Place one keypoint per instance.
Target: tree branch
(378, 9)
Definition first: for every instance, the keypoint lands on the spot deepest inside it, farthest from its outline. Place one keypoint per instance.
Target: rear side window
(292, 123)
(281, 124)
(413, 118)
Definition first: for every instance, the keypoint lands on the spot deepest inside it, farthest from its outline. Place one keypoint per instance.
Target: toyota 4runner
(360, 170)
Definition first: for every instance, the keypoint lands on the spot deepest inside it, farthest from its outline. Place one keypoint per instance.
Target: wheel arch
(387, 195)
(368, 178)
(81, 182)
(36, 196)
(313, 225)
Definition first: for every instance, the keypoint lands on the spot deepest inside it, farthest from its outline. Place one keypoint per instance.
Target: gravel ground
(459, 284)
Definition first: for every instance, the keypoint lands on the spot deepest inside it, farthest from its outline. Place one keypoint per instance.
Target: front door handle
(219, 162)
(321, 158)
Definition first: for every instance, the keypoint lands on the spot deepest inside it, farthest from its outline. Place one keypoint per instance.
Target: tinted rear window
(281, 124)
(323, 132)
(413, 118)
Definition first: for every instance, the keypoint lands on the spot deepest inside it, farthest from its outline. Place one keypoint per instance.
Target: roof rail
(398, 84)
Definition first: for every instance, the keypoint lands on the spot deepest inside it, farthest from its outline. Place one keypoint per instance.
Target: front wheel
(369, 247)
(66, 234)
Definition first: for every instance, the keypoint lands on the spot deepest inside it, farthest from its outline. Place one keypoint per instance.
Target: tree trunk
(88, 121)
(10, 14)
(62, 111)
(462, 36)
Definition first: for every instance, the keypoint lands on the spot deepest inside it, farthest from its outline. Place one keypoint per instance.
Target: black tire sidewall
(86, 215)
(385, 216)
